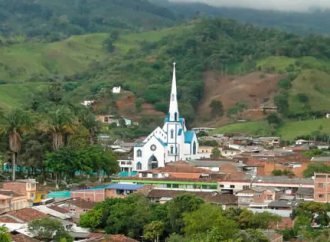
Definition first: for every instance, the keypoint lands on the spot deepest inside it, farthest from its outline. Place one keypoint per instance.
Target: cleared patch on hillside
(254, 89)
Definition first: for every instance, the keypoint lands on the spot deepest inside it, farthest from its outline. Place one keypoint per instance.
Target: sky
(288, 5)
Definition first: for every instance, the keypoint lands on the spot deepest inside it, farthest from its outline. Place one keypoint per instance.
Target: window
(175, 186)
(154, 175)
(42, 196)
(320, 185)
(321, 196)
(176, 116)
(171, 149)
(139, 153)
(258, 195)
(172, 134)
(168, 186)
(172, 97)
(139, 166)
(246, 187)
(222, 186)
(232, 186)
(106, 120)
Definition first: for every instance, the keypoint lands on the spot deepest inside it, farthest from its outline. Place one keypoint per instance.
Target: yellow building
(205, 149)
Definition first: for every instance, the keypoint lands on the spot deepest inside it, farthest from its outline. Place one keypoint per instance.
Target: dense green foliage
(49, 229)
(184, 218)
(302, 23)
(48, 20)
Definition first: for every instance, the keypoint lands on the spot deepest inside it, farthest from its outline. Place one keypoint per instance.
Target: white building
(87, 102)
(171, 143)
(116, 90)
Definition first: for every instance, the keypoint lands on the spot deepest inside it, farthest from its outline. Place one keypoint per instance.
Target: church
(171, 143)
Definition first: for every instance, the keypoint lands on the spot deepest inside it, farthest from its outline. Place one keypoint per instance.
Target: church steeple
(174, 110)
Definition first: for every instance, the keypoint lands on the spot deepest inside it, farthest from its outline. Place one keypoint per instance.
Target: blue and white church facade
(171, 143)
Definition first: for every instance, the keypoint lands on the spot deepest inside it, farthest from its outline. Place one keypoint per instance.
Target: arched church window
(139, 153)
(139, 166)
(176, 117)
(172, 149)
(194, 148)
(172, 134)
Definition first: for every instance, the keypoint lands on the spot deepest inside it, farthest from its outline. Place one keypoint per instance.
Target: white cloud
(289, 5)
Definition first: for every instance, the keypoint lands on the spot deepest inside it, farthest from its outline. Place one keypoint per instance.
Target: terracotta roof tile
(179, 167)
(7, 219)
(27, 214)
(185, 175)
(59, 209)
(81, 203)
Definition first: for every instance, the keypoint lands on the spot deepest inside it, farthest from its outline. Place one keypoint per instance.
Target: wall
(17, 187)
(92, 195)
(322, 191)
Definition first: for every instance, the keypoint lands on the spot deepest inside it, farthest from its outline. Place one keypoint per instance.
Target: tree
(274, 119)
(93, 125)
(59, 122)
(303, 97)
(16, 123)
(252, 235)
(114, 35)
(216, 108)
(316, 167)
(282, 103)
(45, 228)
(262, 220)
(201, 220)
(4, 235)
(216, 153)
(153, 230)
(92, 219)
(284, 83)
(178, 206)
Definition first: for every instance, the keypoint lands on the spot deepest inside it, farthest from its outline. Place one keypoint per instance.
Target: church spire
(174, 110)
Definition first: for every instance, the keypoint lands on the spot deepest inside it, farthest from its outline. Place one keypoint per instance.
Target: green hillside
(15, 95)
(49, 20)
(39, 61)
(288, 131)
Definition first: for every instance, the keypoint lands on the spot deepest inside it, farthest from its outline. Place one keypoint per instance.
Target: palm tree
(15, 123)
(90, 122)
(59, 122)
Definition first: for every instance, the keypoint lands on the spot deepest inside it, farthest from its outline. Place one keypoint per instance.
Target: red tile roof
(185, 175)
(179, 167)
(255, 163)
(81, 203)
(10, 193)
(59, 209)
(7, 219)
(27, 214)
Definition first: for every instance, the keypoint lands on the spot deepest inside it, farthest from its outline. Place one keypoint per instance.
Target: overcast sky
(291, 5)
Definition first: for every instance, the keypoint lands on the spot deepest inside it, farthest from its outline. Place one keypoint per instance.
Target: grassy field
(316, 85)
(36, 61)
(289, 131)
(15, 95)
(276, 64)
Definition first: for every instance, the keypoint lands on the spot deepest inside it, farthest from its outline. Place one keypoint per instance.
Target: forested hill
(52, 20)
(219, 45)
(314, 22)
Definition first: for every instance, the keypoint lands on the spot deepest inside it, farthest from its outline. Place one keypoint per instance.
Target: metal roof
(125, 187)
(189, 136)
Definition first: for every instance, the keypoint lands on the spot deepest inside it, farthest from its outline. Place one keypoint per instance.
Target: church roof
(189, 136)
(162, 142)
(180, 132)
